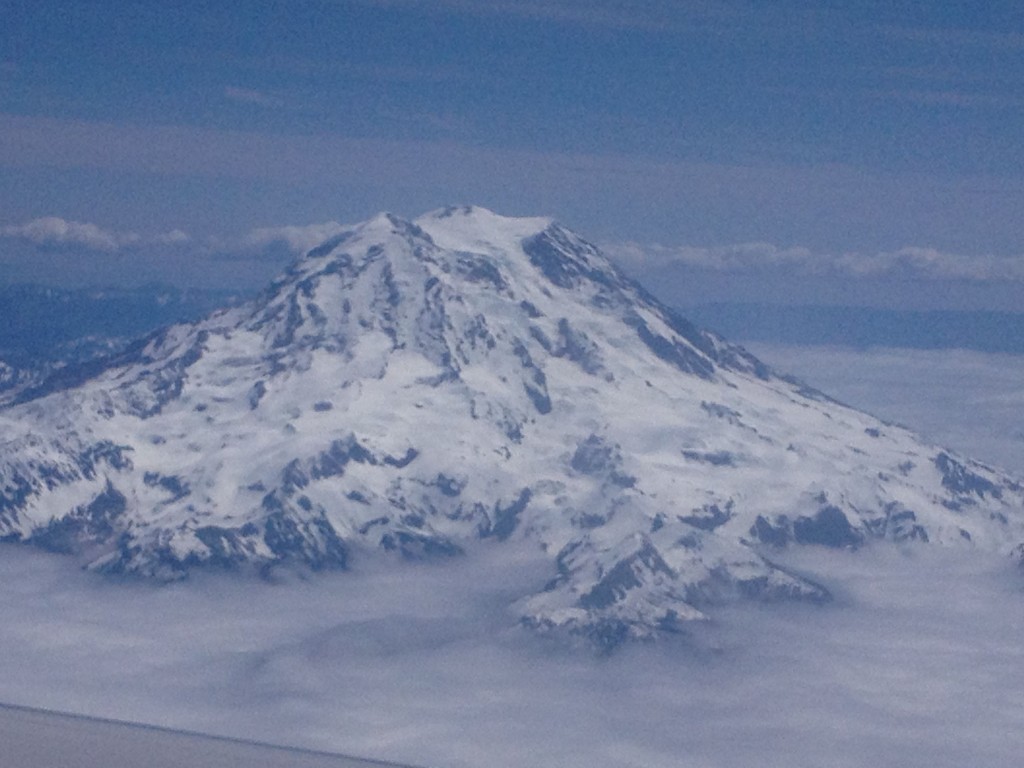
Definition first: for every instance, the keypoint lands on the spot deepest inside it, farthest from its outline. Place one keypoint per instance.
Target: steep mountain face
(410, 389)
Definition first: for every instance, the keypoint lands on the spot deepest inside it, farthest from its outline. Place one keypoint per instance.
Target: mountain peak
(471, 228)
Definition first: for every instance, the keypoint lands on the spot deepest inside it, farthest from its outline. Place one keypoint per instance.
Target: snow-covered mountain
(413, 389)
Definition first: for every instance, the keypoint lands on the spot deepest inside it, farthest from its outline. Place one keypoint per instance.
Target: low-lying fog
(917, 662)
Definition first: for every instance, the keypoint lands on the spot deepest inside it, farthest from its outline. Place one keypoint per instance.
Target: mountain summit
(409, 389)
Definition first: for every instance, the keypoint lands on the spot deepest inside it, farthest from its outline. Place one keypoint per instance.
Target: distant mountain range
(420, 389)
(43, 329)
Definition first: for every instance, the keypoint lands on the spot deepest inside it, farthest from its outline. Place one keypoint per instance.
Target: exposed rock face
(412, 388)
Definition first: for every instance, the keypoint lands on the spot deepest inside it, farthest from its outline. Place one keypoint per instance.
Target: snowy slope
(411, 388)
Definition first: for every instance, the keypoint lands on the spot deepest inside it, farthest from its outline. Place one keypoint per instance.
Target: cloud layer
(52, 250)
(55, 232)
(749, 257)
(50, 232)
(252, 96)
(642, 14)
(917, 664)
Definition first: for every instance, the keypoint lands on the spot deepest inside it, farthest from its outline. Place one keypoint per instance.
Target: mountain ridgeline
(420, 389)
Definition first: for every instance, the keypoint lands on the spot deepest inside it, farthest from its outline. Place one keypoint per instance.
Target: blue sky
(859, 135)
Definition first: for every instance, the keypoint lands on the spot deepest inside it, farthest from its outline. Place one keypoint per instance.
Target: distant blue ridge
(863, 327)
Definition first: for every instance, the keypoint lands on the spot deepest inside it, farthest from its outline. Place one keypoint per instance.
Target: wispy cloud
(50, 233)
(252, 96)
(59, 251)
(296, 239)
(950, 98)
(948, 73)
(639, 14)
(174, 237)
(748, 257)
(1006, 40)
(55, 232)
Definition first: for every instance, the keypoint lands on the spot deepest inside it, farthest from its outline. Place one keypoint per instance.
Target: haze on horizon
(802, 152)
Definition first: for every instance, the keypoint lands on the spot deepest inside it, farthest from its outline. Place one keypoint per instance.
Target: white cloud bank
(50, 232)
(918, 663)
(55, 232)
(743, 257)
(57, 251)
